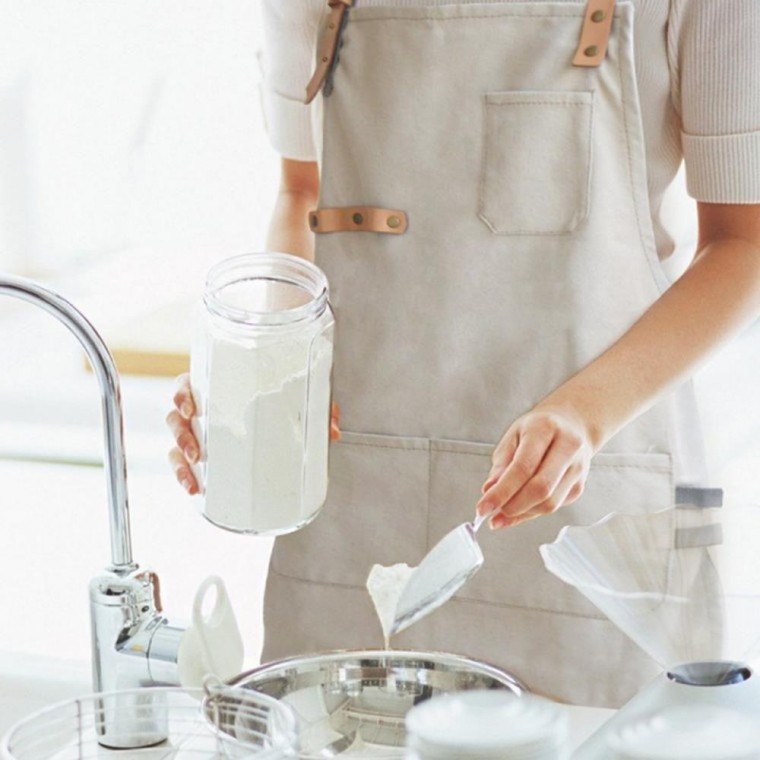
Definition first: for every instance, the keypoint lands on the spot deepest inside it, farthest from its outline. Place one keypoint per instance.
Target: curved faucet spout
(113, 427)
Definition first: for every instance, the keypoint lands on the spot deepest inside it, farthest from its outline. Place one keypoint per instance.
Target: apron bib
(520, 248)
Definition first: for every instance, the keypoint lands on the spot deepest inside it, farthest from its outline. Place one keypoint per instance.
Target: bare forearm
(289, 229)
(714, 300)
(298, 195)
(543, 460)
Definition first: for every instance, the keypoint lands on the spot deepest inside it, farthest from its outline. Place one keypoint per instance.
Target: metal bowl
(354, 703)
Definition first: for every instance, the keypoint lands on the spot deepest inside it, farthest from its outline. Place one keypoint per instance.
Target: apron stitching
(335, 584)
(484, 166)
(593, 116)
(532, 233)
(452, 450)
(429, 510)
(624, 98)
(355, 20)
(540, 103)
(400, 447)
(468, 600)
(463, 453)
(632, 467)
(660, 287)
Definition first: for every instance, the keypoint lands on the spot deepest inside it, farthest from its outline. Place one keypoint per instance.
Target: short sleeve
(714, 49)
(290, 30)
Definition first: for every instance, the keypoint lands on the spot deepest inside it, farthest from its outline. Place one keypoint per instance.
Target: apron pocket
(536, 167)
(513, 573)
(376, 512)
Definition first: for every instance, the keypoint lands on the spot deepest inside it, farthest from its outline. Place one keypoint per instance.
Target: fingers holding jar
(187, 451)
(182, 471)
(183, 397)
(335, 423)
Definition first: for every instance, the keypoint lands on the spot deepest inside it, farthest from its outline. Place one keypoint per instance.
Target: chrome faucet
(133, 643)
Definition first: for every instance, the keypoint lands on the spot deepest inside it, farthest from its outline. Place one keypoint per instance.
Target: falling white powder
(385, 586)
(266, 434)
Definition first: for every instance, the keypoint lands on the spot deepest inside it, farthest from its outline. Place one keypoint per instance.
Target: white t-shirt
(698, 71)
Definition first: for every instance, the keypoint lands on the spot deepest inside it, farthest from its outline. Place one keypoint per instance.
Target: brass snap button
(591, 51)
(394, 222)
(598, 16)
(358, 219)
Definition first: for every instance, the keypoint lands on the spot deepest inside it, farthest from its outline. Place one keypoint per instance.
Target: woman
(488, 210)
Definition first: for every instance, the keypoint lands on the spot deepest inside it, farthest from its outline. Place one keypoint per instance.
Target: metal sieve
(161, 724)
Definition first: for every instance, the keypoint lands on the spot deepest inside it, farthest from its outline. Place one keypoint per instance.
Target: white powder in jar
(267, 432)
(385, 586)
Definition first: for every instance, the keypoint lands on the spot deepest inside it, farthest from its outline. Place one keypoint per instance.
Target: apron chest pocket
(536, 166)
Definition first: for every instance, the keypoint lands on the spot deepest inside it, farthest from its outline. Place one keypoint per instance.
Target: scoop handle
(477, 523)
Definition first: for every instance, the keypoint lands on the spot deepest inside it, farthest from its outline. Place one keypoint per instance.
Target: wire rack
(157, 724)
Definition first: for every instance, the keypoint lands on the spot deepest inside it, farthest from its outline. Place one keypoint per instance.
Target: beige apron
(521, 248)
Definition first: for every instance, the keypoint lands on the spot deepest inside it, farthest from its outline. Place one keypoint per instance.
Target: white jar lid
(699, 732)
(484, 724)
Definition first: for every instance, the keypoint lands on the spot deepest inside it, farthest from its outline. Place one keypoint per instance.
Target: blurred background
(133, 154)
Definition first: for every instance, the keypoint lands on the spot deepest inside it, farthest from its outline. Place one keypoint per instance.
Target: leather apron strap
(358, 219)
(330, 44)
(595, 34)
(592, 47)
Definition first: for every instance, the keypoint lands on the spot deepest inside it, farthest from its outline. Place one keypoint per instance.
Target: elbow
(300, 181)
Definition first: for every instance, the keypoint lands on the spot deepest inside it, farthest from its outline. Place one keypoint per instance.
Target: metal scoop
(442, 572)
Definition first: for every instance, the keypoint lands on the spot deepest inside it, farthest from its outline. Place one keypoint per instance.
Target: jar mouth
(266, 289)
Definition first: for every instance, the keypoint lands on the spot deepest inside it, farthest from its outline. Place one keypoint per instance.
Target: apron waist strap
(358, 219)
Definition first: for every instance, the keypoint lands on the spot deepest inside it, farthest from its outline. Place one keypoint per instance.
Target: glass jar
(261, 377)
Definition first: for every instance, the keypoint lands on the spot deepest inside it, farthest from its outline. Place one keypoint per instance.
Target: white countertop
(30, 682)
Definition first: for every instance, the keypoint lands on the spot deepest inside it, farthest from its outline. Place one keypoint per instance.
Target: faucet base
(133, 646)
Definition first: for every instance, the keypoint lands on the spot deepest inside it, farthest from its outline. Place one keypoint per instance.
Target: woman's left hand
(540, 465)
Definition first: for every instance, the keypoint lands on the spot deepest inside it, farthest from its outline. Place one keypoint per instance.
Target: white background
(132, 154)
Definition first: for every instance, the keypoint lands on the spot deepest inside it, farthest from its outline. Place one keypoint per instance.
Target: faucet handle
(212, 644)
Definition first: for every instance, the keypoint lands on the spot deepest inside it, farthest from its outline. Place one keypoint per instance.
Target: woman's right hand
(187, 450)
